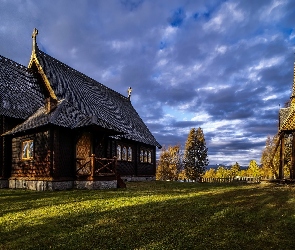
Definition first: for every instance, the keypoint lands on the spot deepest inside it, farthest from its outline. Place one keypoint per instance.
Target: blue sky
(224, 66)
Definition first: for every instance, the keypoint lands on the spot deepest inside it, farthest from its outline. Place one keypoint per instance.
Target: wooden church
(60, 129)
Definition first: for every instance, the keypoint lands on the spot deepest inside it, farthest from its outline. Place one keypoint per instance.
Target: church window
(129, 154)
(146, 156)
(27, 149)
(149, 156)
(124, 154)
(119, 152)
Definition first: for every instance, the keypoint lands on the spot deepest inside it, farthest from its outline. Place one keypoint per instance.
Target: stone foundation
(4, 184)
(40, 185)
(45, 185)
(138, 178)
(95, 184)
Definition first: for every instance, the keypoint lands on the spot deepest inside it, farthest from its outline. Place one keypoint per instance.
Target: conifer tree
(195, 155)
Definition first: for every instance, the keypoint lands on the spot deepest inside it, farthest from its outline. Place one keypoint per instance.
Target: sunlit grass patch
(150, 215)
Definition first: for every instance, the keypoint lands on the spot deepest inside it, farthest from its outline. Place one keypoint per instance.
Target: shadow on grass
(162, 216)
(23, 200)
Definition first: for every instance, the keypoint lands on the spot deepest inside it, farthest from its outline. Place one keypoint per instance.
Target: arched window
(141, 155)
(149, 156)
(27, 149)
(124, 154)
(119, 152)
(129, 156)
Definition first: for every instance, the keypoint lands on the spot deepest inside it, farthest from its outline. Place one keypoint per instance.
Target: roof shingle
(20, 93)
(95, 99)
(82, 101)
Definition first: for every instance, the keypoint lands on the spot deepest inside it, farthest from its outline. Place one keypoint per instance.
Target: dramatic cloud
(224, 66)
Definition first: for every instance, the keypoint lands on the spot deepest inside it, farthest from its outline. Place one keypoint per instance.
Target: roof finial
(129, 92)
(34, 35)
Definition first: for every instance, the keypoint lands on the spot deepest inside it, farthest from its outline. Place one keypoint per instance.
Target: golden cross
(129, 92)
(34, 35)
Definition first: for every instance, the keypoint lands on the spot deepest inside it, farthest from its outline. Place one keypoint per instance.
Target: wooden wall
(39, 166)
(55, 154)
(135, 167)
(6, 124)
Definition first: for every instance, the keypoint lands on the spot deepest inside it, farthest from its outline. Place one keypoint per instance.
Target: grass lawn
(150, 215)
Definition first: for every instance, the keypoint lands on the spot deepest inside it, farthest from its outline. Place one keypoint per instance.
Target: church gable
(111, 109)
(48, 81)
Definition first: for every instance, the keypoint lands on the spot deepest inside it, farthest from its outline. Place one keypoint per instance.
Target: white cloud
(121, 45)
(235, 60)
(221, 49)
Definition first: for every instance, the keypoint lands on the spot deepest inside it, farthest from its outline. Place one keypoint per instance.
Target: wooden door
(83, 153)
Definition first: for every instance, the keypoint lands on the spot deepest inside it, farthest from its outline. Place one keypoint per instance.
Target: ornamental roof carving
(81, 100)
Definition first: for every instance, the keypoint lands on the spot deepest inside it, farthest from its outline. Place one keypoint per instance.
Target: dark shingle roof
(283, 114)
(20, 95)
(82, 100)
(110, 109)
(64, 115)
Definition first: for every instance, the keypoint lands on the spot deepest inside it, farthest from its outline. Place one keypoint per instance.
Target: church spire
(34, 35)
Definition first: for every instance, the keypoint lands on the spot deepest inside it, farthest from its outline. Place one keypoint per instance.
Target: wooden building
(287, 128)
(61, 129)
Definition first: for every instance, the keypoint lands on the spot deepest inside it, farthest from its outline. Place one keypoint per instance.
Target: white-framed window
(27, 150)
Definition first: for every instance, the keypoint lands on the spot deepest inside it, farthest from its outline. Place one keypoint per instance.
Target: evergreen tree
(195, 155)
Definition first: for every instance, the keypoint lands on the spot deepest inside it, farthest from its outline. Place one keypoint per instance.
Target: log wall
(39, 166)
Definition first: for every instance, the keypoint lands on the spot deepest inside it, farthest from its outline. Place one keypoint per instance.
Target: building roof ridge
(79, 73)
(14, 63)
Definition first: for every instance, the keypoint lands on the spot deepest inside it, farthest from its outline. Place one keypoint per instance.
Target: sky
(224, 66)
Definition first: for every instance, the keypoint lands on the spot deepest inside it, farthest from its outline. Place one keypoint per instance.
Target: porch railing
(97, 167)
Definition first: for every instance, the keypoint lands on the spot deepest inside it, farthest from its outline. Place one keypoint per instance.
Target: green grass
(150, 215)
